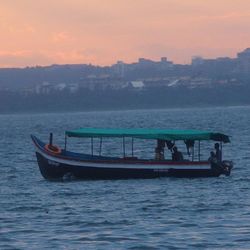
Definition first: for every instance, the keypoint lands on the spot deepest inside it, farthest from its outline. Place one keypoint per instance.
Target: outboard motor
(223, 167)
(226, 167)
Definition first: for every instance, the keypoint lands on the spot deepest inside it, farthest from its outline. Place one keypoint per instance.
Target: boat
(55, 162)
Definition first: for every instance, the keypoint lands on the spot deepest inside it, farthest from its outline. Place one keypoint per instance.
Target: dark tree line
(128, 98)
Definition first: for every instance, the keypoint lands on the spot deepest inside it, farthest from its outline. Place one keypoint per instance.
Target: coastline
(173, 108)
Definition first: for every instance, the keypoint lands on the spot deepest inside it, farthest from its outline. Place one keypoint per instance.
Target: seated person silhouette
(176, 155)
(212, 157)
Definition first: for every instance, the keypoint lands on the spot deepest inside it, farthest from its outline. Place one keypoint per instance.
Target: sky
(101, 32)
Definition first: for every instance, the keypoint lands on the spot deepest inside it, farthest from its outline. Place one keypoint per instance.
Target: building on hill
(244, 60)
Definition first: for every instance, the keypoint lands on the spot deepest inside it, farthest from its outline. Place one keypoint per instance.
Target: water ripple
(125, 214)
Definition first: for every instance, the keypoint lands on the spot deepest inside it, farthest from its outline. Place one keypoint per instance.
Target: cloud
(102, 32)
(231, 16)
(17, 58)
(62, 37)
(20, 29)
(46, 57)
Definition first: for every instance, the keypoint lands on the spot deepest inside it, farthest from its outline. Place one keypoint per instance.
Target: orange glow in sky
(44, 32)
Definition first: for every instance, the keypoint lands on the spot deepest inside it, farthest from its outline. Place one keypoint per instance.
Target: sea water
(165, 213)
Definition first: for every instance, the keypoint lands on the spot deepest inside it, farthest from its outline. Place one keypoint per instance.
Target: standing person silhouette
(218, 153)
(176, 155)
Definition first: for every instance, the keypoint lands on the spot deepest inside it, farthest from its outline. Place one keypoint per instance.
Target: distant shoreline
(125, 110)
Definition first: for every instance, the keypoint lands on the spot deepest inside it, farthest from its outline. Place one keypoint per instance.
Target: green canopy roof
(163, 134)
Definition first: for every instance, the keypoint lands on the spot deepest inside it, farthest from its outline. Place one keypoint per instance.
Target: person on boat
(189, 146)
(159, 154)
(159, 150)
(212, 157)
(176, 155)
(169, 145)
(218, 153)
(161, 144)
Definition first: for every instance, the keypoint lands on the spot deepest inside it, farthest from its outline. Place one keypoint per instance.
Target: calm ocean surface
(165, 213)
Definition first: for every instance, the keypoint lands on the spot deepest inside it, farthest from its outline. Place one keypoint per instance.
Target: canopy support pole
(221, 150)
(132, 146)
(199, 151)
(92, 146)
(100, 149)
(65, 142)
(123, 142)
(51, 139)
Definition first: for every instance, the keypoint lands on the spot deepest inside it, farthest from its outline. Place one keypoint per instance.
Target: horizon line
(117, 61)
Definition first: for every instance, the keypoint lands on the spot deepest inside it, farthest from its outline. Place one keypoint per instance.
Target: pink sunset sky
(44, 32)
